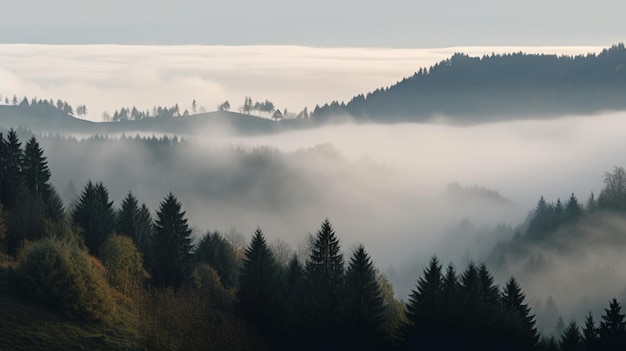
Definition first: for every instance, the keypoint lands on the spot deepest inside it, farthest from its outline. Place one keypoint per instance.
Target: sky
(347, 23)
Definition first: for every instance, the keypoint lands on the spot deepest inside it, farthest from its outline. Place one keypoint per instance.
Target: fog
(108, 77)
(385, 186)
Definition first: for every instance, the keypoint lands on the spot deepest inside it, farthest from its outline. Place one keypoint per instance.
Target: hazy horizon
(108, 77)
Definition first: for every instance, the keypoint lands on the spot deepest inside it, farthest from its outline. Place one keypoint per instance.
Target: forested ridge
(101, 265)
(469, 89)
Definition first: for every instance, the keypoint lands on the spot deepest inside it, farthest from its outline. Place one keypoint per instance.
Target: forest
(466, 90)
(145, 277)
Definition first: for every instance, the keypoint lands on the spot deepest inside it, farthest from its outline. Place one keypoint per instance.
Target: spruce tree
(524, 336)
(94, 214)
(573, 210)
(423, 309)
(127, 217)
(12, 180)
(171, 244)
(571, 339)
(590, 334)
(35, 169)
(324, 274)
(256, 292)
(450, 299)
(612, 329)
(364, 309)
(143, 235)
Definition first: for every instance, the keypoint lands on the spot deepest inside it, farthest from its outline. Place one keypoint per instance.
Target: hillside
(497, 87)
(26, 325)
(52, 120)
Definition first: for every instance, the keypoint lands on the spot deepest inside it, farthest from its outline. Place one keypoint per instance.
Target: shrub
(123, 263)
(60, 274)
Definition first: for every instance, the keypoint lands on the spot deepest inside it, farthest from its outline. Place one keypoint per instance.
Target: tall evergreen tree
(12, 180)
(573, 210)
(143, 235)
(324, 274)
(127, 216)
(590, 334)
(423, 308)
(171, 244)
(257, 292)
(612, 329)
(524, 336)
(571, 339)
(35, 169)
(94, 214)
(364, 309)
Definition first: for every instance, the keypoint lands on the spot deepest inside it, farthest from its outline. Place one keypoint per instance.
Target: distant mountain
(52, 120)
(473, 89)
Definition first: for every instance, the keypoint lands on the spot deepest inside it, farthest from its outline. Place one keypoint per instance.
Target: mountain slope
(473, 89)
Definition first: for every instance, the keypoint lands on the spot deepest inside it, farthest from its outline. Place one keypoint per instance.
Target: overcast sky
(392, 23)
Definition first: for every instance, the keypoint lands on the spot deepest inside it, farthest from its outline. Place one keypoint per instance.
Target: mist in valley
(406, 192)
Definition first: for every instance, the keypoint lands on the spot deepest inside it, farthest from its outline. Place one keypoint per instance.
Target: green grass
(26, 325)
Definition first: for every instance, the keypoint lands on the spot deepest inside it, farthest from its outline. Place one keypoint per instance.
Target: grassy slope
(25, 325)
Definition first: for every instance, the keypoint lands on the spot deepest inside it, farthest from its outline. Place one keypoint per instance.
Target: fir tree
(324, 274)
(573, 210)
(571, 339)
(135, 222)
(11, 170)
(423, 309)
(257, 282)
(524, 336)
(612, 329)
(590, 334)
(35, 169)
(171, 244)
(94, 214)
(364, 303)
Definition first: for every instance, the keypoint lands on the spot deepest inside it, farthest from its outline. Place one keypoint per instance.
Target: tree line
(470, 89)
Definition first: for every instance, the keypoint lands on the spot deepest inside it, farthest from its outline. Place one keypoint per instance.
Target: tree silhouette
(257, 283)
(93, 213)
(612, 329)
(364, 309)
(171, 244)
(590, 334)
(324, 274)
(571, 338)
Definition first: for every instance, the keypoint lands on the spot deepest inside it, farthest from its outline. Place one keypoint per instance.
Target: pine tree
(590, 334)
(470, 295)
(143, 235)
(525, 336)
(35, 169)
(171, 244)
(571, 339)
(324, 274)
(135, 222)
(450, 299)
(423, 309)
(258, 282)
(12, 180)
(612, 329)
(364, 303)
(573, 210)
(94, 214)
(127, 216)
